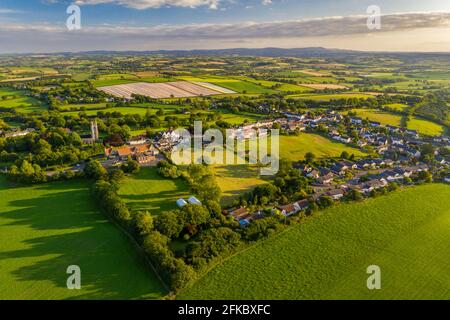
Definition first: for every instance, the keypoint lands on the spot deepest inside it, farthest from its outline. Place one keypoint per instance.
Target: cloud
(44, 38)
(147, 4)
(8, 11)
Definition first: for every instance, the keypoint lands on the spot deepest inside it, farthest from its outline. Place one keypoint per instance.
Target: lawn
(295, 147)
(46, 228)
(425, 127)
(147, 190)
(326, 257)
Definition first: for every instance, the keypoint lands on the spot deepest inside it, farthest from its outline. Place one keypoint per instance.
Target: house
(303, 204)
(340, 168)
(293, 208)
(313, 174)
(19, 133)
(289, 209)
(326, 179)
(238, 214)
(336, 194)
(138, 140)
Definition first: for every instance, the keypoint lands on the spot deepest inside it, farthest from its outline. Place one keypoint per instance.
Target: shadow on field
(77, 235)
(160, 201)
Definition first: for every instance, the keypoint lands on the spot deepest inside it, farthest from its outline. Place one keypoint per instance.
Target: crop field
(326, 257)
(295, 147)
(147, 190)
(425, 127)
(179, 89)
(383, 117)
(46, 228)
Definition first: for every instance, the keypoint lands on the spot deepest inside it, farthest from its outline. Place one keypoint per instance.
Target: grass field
(21, 102)
(46, 228)
(147, 190)
(383, 117)
(425, 127)
(295, 147)
(326, 257)
(234, 180)
(333, 96)
(397, 106)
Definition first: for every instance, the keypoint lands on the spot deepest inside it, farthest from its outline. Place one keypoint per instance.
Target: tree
(325, 202)
(309, 157)
(169, 224)
(94, 169)
(345, 155)
(181, 275)
(131, 166)
(143, 222)
(194, 215)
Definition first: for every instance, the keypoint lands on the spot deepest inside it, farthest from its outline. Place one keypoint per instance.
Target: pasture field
(234, 180)
(326, 257)
(333, 96)
(21, 102)
(383, 117)
(397, 106)
(236, 85)
(295, 147)
(147, 190)
(425, 127)
(46, 228)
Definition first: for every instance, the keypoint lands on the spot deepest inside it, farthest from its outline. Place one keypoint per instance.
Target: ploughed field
(405, 233)
(178, 89)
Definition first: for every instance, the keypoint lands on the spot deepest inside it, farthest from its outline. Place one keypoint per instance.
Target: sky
(40, 26)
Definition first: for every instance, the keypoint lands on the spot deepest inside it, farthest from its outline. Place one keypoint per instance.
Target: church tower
(94, 130)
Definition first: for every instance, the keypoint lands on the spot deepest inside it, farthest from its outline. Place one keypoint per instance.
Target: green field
(295, 147)
(382, 117)
(333, 96)
(425, 127)
(326, 257)
(234, 180)
(21, 102)
(147, 190)
(46, 228)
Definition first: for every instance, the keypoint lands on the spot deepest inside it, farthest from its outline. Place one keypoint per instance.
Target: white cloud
(146, 4)
(44, 38)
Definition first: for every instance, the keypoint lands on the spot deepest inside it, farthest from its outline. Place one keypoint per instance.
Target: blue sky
(43, 15)
(53, 11)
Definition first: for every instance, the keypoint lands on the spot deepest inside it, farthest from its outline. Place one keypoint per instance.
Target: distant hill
(279, 52)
